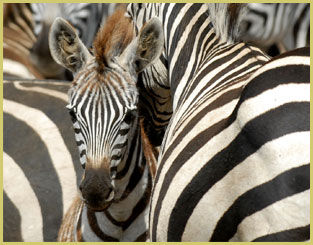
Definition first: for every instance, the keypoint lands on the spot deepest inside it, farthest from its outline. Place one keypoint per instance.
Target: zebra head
(103, 99)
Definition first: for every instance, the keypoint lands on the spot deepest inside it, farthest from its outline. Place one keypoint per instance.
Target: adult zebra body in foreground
(115, 153)
(234, 161)
(38, 159)
(285, 25)
(26, 27)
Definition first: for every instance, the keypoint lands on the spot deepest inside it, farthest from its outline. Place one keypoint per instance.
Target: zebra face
(103, 108)
(103, 100)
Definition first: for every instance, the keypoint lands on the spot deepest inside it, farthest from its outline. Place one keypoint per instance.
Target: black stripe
(291, 182)
(92, 220)
(11, 221)
(245, 144)
(55, 110)
(300, 234)
(137, 210)
(60, 86)
(181, 64)
(181, 158)
(143, 237)
(289, 74)
(123, 172)
(171, 18)
(22, 144)
(227, 70)
(82, 153)
(79, 143)
(216, 65)
(196, 67)
(135, 177)
(305, 52)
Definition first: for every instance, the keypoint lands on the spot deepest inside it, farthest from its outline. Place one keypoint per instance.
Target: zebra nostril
(110, 195)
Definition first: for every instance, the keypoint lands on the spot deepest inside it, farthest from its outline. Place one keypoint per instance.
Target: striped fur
(18, 22)
(39, 153)
(82, 224)
(286, 25)
(38, 148)
(116, 185)
(26, 27)
(234, 161)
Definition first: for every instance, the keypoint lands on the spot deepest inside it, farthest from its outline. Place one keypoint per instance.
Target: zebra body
(285, 24)
(234, 160)
(114, 151)
(38, 159)
(38, 152)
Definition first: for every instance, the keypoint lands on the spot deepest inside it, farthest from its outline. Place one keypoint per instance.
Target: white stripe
(289, 213)
(187, 172)
(257, 169)
(50, 135)
(16, 68)
(20, 192)
(50, 92)
(282, 62)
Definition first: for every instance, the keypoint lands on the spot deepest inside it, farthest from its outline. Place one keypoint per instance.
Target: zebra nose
(97, 195)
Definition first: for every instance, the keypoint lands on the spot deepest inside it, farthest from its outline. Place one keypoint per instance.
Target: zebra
(234, 159)
(18, 22)
(26, 27)
(38, 159)
(285, 25)
(112, 204)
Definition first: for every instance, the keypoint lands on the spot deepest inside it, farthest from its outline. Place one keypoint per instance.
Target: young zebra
(114, 152)
(234, 161)
(286, 25)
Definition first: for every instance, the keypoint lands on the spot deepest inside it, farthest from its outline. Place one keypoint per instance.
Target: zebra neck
(126, 219)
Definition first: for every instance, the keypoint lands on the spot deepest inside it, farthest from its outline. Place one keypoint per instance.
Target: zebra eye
(129, 116)
(72, 111)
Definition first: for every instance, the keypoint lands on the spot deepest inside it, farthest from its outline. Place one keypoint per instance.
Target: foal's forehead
(108, 84)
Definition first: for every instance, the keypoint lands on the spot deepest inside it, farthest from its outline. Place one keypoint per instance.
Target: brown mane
(113, 37)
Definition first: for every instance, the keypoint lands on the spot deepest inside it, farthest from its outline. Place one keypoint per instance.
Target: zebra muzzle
(98, 195)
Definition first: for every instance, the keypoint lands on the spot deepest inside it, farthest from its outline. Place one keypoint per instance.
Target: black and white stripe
(115, 189)
(234, 161)
(39, 152)
(286, 25)
(106, 124)
(26, 28)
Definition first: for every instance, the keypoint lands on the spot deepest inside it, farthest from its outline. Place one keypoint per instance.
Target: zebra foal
(114, 151)
(234, 160)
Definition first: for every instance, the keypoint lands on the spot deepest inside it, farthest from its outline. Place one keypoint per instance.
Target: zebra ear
(146, 47)
(150, 44)
(65, 46)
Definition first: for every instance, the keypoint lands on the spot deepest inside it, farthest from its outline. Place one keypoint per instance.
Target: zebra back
(222, 166)
(39, 175)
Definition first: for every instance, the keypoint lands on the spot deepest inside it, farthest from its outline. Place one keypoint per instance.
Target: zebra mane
(226, 18)
(113, 37)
